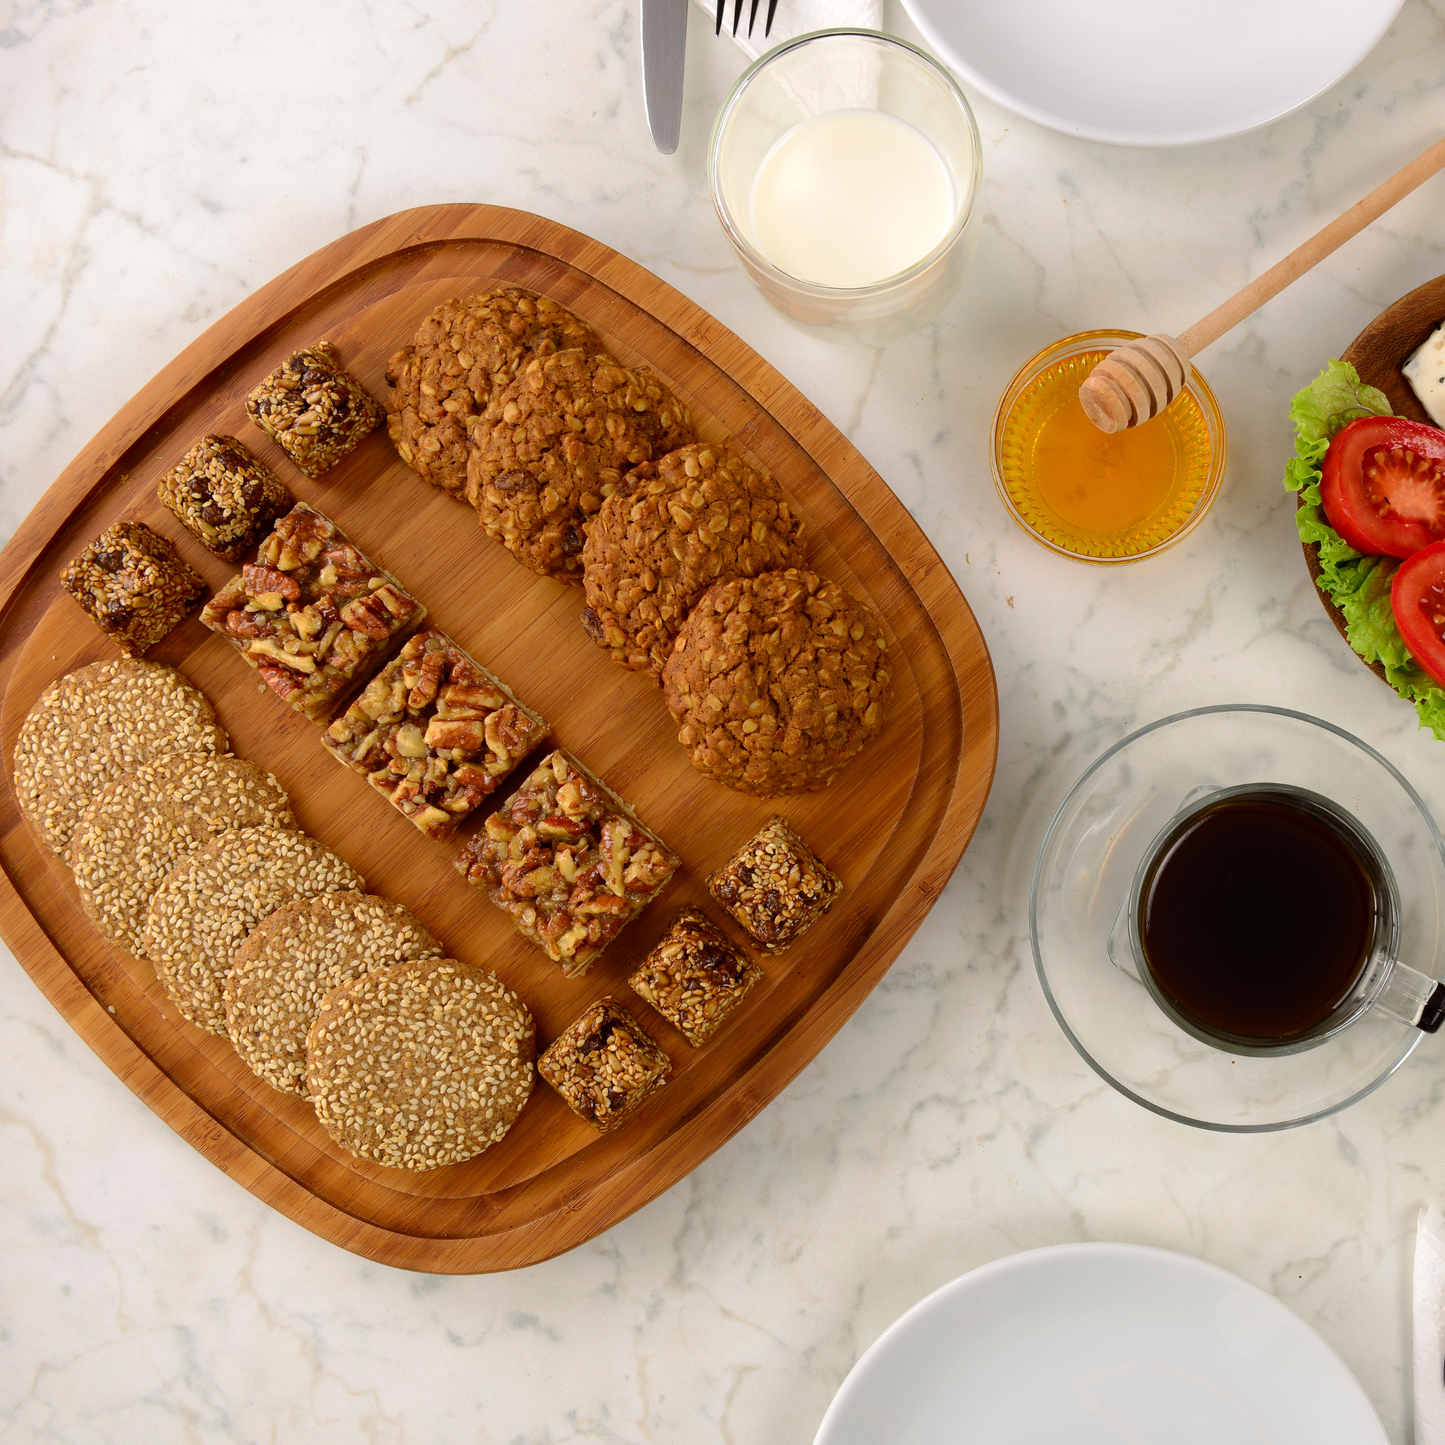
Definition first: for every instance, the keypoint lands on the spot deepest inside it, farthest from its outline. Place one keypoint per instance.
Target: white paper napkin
(1430, 1328)
(794, 17)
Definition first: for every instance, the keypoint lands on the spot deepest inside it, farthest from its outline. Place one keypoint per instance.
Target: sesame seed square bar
(568, 860)
(695, 978)
(223, 495)
(775, 886)
(435, 733)
(313, 613)
(134, 584)
(605, 1065)
(313, 408)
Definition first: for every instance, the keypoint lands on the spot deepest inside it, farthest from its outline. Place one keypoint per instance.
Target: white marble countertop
(159, 162)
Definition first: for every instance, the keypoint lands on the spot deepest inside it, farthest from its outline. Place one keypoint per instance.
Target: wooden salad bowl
(1378, 353)
(893, 825)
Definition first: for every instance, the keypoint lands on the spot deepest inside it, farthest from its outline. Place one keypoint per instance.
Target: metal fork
(722, 5)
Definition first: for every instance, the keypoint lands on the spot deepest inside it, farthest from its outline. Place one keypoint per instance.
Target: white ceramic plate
(1100, 1344)
(1153, 72)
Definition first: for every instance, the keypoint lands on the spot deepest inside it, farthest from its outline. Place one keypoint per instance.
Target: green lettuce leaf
(1358, 585)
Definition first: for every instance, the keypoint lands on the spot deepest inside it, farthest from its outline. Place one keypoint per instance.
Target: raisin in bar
(313, 408)
(134, 584)
(695, 978)
(435, 732)
(775, 886)
(566, 858)
(312, 613)
(223, 495)
(605, 1066)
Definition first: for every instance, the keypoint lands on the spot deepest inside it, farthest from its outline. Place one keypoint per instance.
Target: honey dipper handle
(1283, 273)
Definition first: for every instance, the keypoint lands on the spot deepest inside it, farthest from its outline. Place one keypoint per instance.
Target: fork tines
(722, 6)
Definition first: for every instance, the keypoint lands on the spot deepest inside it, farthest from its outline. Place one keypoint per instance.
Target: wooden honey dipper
(1138, 380)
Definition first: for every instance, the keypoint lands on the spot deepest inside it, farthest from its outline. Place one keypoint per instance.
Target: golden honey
(1094, 495)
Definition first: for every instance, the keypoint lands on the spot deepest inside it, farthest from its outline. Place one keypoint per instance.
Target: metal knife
(664, 51)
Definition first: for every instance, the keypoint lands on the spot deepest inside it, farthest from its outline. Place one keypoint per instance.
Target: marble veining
(160, 161)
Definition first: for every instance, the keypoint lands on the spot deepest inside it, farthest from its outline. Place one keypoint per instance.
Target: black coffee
(1258, 916)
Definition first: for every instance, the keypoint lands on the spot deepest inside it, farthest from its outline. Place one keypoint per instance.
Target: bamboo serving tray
(894, 825)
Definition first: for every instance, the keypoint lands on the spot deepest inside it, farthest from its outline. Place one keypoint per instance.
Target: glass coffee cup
(1264, 920)
(1118, 811)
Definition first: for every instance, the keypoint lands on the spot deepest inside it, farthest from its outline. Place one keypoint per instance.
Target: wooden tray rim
(938, 594)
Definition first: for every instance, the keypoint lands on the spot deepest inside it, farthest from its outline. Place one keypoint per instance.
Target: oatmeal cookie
(96, 723)
(420, 1065)
(694, 517)
(281, 975)
(776, 681)
(149, 820)
(555, 443)
(438, 387)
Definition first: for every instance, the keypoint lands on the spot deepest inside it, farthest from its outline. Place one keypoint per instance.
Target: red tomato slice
(1384, 485)
(1417, 598)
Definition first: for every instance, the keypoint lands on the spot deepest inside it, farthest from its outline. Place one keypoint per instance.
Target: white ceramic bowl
(1153, 72)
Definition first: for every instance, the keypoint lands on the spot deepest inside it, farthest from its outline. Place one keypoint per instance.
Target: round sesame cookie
(692, 518)
(555, 443)
(148, 820)
(210, 902)
(297, 956)
(776, 681)
(438, 387)
(420, 1065)
(94, 724)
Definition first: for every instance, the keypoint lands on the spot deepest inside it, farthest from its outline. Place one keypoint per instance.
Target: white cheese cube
(1425, 371)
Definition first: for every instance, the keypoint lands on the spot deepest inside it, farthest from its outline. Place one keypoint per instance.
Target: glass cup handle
(1414, 998)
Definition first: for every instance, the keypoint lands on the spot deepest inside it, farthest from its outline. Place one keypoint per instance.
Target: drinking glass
(830, 70)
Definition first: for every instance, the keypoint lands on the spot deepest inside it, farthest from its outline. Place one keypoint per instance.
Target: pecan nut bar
(695, 978)
(775, 886)
(313, 613)
(605, 1066)
(134, 584)
(223, 495)
(313, 408)
(566, 858)
(435, 732)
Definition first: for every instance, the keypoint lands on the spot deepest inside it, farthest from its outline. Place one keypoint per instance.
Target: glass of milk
(845, 169)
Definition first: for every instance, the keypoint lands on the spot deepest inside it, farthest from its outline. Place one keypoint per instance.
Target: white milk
(850, 197)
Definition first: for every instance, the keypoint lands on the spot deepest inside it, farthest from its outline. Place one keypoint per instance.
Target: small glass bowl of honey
(1092, 495)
